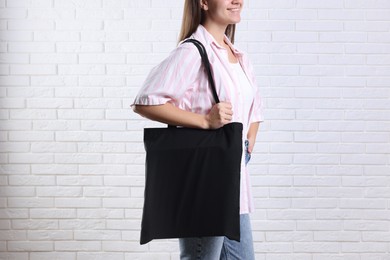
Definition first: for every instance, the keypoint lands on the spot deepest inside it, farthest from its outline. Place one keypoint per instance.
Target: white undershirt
(246, 90)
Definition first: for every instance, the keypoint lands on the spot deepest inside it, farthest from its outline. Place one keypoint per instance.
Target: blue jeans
(214, 248)
(247, 154)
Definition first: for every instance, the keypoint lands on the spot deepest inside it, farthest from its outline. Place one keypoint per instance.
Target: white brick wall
(71, 152)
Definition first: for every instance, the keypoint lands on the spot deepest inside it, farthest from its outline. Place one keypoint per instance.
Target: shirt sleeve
(169, 81)
(257, 108)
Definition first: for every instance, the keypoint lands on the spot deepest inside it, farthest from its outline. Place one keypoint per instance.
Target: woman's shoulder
(184, 52)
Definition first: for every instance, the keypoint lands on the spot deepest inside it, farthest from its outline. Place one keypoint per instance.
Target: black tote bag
(192, 186)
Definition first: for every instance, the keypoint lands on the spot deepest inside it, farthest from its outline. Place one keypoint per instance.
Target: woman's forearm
(219, 115)
(251, 136)
(171, 115)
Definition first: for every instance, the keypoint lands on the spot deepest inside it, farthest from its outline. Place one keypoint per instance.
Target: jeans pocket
(247, 154)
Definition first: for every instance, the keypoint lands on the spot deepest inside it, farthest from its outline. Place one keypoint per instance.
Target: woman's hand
(219, 115)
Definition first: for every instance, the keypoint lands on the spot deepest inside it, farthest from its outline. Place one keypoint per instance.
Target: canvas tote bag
(192, 185)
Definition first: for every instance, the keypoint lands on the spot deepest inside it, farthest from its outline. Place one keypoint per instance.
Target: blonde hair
(193, 15)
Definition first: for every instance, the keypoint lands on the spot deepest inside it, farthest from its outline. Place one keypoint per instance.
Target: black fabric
(192, 186)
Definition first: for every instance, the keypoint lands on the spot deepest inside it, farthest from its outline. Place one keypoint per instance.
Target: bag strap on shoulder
(206, 64)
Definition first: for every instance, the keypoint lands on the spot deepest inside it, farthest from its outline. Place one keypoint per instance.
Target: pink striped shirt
(181, 80)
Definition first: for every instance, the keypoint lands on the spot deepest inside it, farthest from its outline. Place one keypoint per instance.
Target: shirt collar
(203, 34)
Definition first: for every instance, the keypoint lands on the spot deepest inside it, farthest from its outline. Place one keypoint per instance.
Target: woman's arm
(219, 115)
(252, 133)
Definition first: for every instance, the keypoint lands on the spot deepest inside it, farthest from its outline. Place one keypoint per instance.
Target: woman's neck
(217, 31)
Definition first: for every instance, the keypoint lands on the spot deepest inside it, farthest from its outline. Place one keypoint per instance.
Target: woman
(177, 92)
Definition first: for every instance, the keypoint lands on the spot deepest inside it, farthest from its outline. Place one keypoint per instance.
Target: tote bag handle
(206, 64)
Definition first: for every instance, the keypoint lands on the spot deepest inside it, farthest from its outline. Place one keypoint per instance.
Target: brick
(275, 256)
(49, 235)
(11, 235)
(333, 4)
(363, 203)
(341, 148)
(341, 14)
(52, 255)
(59, 191)
(32, 224)
(122, 246)
(33, 202)
(77, 158)
(322, 48)
(13, 256)
(10, 213)
(44, 81)
(77, 4)
(290, 14)
(332, 236)
(41, 147)
(79, 180)
(376, 14)
(375, 237)
(39, 213)
(363, 4)
(29, 3)
(73, 26)
(365, 181)
(77, 224)
(30, 158)
(277, 4)
(97, 103)
(365, 247)
(100, 256)
(77, 246)
(318, 203)
(101, 213)
(316, 247)
(319, 225)
(14, 80)
(124, 224)
(15, 58)
(58, 169)
(30, 246)
(77, 202)
(286, 214)
(103, 37)
(100, 13)
(15, 169)
(12, 147)
(102, 169)
(289, 236)
(83, 47)
(79, 92)
(101, 235)
(106, 192)
(149, 256)
(30, 24)
(17, 191)
(80, 114)
(124, 180)
(60, 36)
(122, 203)
(366, 159)
(33, 114)
(12, 103)
(340, 192)
(44, 58)
(102, 148)
(81, 69)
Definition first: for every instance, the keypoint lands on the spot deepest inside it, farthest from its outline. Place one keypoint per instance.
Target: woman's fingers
(220, 115)
(225, 110)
